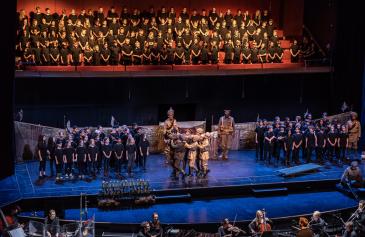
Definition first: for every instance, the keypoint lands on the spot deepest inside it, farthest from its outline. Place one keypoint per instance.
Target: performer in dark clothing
(331, 143)
(118, 150)
(297, 142)
(107, 153)
(42, 153)
(269, 144)
(143, 149)
(259, 139)
(320, 145)
(81, 159)
(131, 151)
(58, 157)
(310, 143)
(343, 142)
(92, 157)
(288, 144)
(68, 158)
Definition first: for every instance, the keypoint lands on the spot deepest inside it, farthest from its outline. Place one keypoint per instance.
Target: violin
(235, 230)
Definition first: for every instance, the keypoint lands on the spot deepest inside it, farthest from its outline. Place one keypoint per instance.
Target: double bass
(264, 226)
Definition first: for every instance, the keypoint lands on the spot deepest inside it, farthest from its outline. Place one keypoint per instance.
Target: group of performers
(327, 139)
(83, 152)
(193, 148)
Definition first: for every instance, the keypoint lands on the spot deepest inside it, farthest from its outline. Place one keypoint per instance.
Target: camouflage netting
(26, 135)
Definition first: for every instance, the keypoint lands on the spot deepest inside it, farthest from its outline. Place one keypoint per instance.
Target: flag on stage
(344, 107)
(112, 121)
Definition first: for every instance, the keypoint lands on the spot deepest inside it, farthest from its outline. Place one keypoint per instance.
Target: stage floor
(241, 169)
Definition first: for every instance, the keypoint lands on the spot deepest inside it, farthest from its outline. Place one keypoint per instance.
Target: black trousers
(309, 153)
(296, 155)
(342, 153)
(260, 148)
(51, 166)
(42, 165)
(319, 154)
(268, 151)
(287, 155)
(68, 167)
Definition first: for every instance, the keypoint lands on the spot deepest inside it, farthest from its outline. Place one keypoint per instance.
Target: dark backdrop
(90, 101)
(6, 91)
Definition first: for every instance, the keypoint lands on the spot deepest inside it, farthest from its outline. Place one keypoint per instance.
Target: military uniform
(170, 125)
(204, 154)
(354, 134)
(226, 129)
(192, 153)
(179, 153)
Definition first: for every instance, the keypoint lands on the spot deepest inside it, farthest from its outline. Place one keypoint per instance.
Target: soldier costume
(225, 131)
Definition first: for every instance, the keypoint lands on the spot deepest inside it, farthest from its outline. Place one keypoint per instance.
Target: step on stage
(240, 170)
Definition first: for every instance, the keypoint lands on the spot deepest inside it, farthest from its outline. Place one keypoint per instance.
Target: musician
(354, 133)
(260, 223)
(229, 230)
(349, 231)
(352, 176)
(145, 230)
(155, 226)
(52, 224)
(304, 228)
(359, 218)
(225, 131)
(317, 224)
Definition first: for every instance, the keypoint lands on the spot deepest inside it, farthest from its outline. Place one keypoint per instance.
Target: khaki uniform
(179, 153)
(225, 130)
(169, 125)
(192, 154)
(353, 176)
(204, 154)
(354, 133)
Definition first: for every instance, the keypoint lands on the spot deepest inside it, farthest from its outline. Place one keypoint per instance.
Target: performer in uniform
(192, 147)
(352, 176)
(178, 145)
(225, 131)
(203, 145)
(354, 133)
(170, 126)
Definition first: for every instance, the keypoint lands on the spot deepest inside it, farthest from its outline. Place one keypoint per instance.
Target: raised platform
(168, 70)
(241, 170)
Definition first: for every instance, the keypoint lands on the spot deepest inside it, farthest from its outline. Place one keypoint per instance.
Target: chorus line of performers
(88, 153)
(327, 139)
(96, 38)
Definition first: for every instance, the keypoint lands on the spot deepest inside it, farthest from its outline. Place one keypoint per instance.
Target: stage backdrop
(27, 134)
(287, 14)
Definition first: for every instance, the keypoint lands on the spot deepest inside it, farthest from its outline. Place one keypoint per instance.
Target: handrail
(314, 40)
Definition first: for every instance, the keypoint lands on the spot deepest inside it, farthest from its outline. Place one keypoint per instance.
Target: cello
(264, 226)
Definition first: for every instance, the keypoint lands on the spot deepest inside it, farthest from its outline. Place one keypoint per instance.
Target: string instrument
(235, 230)
(264, 226)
